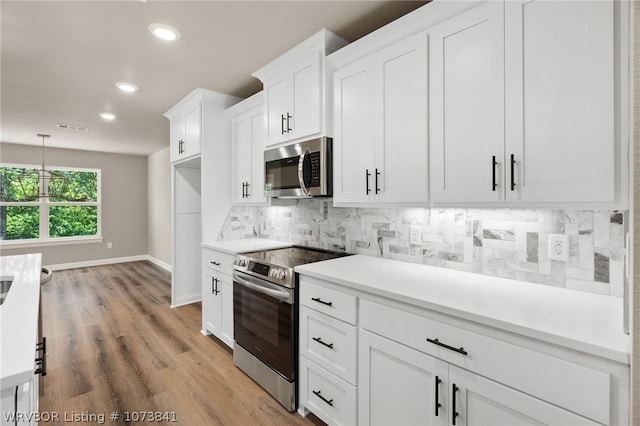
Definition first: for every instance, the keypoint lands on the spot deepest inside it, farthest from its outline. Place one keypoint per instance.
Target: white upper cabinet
(560, 100)
(353, 158)
(247, 140)
(380, 133)
(466, 100)
(186, 125)
(294, 98)
(293, 101)
(523, 102)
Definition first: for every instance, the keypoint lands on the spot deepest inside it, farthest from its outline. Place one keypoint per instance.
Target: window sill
(54, 242)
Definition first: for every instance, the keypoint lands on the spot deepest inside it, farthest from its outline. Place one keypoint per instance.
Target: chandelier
(45, 183)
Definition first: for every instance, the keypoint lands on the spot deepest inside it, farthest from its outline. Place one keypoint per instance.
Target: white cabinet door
(242, 158)
(225, 288)
(304, 97)
(480, 401)
(177, 139)
(247, 138)
(255, 190)
(275, 107)
(560, 100)
(467, 105)
(353, 141)
(401, 122)
(192, 132)
(212, 302)
(398, 385)
(293, 101)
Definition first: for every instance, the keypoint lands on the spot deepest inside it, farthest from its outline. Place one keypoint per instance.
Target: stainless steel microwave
(299, 170)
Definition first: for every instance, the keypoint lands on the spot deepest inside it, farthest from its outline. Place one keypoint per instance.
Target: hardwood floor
(115, 345)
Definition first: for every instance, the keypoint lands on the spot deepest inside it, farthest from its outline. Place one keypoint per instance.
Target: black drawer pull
(460, 350)
(454, 412)
(438, 405)
(328, 401)
(41, 361)
(319, 340)
(215, 263)
(513, 172)
(317, 299)
(494, 163)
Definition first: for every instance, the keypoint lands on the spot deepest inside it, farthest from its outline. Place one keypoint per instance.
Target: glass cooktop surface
(294, 256)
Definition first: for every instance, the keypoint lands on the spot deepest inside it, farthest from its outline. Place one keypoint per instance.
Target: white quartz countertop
(246, 245)
(581, 321)
(19, 319)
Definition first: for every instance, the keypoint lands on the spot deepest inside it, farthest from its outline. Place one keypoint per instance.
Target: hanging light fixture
(45, 183)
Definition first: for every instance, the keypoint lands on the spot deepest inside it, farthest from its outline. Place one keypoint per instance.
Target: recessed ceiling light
(164, 32)
(107, 116)
(126, 87)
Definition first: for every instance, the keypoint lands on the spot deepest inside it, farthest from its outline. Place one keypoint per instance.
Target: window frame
(44, 205)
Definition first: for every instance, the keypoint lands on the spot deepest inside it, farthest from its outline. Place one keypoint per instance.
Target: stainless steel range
(265, 308)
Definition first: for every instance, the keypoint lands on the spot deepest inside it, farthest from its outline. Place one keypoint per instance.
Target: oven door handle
(258, 286)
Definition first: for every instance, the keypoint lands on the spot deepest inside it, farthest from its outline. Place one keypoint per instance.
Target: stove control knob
(281, 275)
(240, 262)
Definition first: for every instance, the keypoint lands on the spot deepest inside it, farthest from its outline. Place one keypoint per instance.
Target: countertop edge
(547, 337)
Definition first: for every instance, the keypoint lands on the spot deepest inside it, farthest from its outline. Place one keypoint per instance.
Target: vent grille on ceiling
(71, 127)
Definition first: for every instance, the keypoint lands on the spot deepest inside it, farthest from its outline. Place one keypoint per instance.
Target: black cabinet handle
(328, 401)
(215, 263)
(243, 189)
(513, 172)
(213, 283)
(460, 350)
(288, 125)
(319, 340)
(317, 299)
(377, 174)
(41, 361)
(454, 413)
(494, 185)
(282, 123)
(366, 177)
(438, 405)
(247, 189)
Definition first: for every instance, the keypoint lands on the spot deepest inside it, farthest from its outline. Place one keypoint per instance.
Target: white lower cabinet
(20, 404)
(217, 295)
(405, 365)
(480, 401)
(399, 385)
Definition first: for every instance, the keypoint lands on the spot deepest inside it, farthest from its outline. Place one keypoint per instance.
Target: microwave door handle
(277, 294)
(304, 189)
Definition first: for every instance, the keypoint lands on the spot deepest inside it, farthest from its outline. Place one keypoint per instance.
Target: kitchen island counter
(19, 319)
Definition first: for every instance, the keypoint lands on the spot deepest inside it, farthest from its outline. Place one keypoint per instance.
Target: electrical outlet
(109, 245)
(414, 235)
(559, 247)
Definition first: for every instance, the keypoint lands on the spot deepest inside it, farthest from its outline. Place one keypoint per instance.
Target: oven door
(264, 322)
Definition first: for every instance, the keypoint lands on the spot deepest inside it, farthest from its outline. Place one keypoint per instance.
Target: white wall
(159, 206)
(124, 202)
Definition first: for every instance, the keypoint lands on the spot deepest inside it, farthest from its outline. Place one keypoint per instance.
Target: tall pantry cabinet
(201, 158)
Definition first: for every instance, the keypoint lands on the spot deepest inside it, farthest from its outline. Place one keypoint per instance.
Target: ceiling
(60, 60)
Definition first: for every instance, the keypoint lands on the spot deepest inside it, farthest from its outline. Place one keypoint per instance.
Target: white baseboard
(159, 263)
(98, 262)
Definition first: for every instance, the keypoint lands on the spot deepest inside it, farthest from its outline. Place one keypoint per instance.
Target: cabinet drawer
(546, 377)
(329, 342)
(334, 303)
(221, 262)
(331, 399)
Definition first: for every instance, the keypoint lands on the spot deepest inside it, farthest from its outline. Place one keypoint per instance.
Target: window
(67, 212)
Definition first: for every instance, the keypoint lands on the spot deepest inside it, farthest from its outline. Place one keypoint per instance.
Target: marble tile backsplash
(506, 243)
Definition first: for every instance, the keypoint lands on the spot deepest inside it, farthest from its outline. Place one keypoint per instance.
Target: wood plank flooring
(115, 345)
